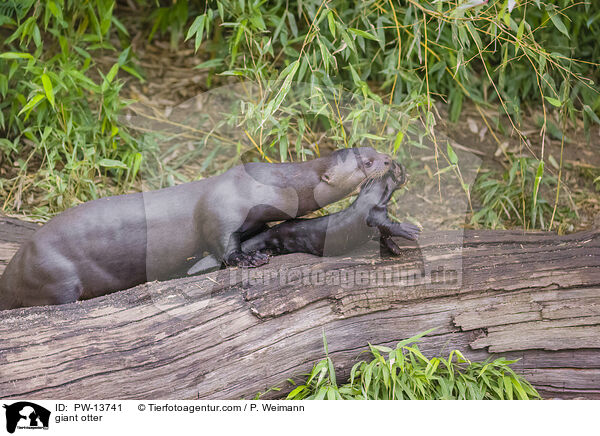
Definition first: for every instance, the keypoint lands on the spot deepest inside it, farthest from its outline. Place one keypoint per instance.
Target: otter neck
(371, 194)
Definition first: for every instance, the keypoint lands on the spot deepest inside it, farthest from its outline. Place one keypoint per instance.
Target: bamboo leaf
(15, 55)
(588, 110)
(331, 22)
(398, 140)
(451, 154)
(558, 23)
(47, 84)
(212, 63)
(363, 34)
(32, 103)
(112, 163)
(554, 101)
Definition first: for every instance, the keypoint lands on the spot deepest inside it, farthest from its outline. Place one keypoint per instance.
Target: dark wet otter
(115, 243)
(366, 219)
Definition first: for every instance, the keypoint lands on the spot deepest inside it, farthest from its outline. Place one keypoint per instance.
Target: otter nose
(387, 162)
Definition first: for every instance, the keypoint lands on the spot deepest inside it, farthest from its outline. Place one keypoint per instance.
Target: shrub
(407, 374)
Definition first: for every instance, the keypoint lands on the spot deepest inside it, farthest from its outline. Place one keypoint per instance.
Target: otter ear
(326, 177)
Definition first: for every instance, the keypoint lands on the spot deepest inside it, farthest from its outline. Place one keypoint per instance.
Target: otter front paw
(406, 230)
(247, 260)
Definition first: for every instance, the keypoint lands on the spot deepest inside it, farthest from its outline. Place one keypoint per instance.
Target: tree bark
(13, 233)
(233, 333)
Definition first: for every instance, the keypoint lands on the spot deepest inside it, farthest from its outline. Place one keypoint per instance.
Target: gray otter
(330, 235)
(115, 243)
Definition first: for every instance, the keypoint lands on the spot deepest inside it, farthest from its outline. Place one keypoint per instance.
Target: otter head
(351, 166)
(348, 169)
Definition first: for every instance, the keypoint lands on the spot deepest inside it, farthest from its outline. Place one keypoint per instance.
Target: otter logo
(26, 415)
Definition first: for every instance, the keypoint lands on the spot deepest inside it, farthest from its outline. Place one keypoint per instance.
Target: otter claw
(388, 243)
(406, 230)
(247, 260)
(260, 255)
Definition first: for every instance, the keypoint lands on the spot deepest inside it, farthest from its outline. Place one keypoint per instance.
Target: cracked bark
(233, 333)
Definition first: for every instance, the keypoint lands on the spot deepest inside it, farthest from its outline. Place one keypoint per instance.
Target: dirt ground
(581, 156)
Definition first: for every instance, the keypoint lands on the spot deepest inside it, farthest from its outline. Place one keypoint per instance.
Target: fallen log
(233, 333)
(13, 233)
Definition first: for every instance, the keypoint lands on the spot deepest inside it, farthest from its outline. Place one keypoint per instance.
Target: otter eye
(369, 163)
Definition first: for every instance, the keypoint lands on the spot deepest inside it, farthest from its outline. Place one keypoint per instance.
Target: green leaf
(212, 63)
(89, 83)
(197, 28)
(331, 22)
(382, 348)
(363, 34)
(554, 101)
(57, 12)
(231, 73)
(37, 37)
(293, 25)
(521, 30)
(112, 163)
(331, 369)
(199, 21)
(508, 386)
(559, 24)
(536, 186)
(31, 103)
(112, 73)
(283, 148)
(522, 394)
(286, 75)
(47, 83)
(295, 392)
(106, 19)
(119, 25)
(321, 394)
(15, 55)
(456, 103)
(355, 77)
(373, 137)
(398, 141)
(133, 72)
(415, 338)
(3, 85)
(452, 157)
(519, 36)
(588, 110)
(122, 59)
(349, 41)
(110, 76)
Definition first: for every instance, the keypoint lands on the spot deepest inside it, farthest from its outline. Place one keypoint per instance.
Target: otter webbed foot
(405, 230)
(247, 260)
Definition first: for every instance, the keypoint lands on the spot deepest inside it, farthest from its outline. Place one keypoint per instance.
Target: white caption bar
(23, 417)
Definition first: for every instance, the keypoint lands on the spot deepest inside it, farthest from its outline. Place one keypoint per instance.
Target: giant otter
(335, 234)
(115, 243)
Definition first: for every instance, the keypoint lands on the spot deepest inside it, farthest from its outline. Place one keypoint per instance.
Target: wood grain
(13, 233)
